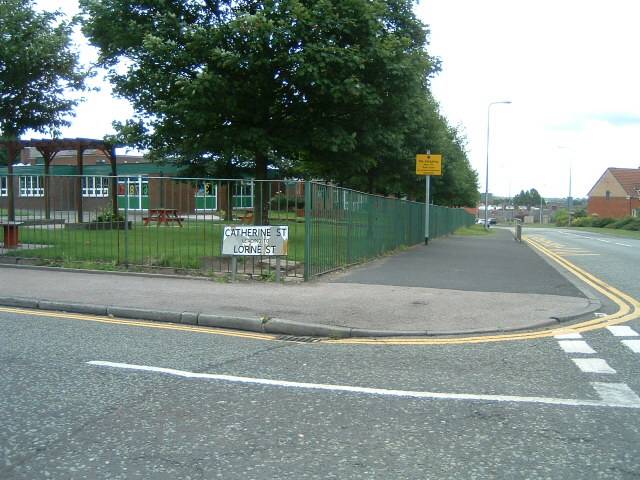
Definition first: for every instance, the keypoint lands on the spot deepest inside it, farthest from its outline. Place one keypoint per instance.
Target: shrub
(633, 224)
(561, 218)
(603, 222)
(107, 215)
(581, 213)
(621, 222)
(582, 222)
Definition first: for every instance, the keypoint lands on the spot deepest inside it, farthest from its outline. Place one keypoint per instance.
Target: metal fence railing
(168, 224)
(445, 220)
(145, 223)
(344, 227)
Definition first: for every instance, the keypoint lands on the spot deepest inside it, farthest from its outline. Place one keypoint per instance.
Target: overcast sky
(570, 67)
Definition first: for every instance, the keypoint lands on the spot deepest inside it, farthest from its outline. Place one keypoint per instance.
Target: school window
(95, 186)
(243, 195)
(206, 195)
(3, 186)
(607, 195)
(31, 186)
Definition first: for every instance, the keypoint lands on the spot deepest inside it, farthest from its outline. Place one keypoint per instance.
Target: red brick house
(616, 194)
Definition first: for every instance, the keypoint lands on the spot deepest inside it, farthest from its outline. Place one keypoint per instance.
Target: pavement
(454, 286)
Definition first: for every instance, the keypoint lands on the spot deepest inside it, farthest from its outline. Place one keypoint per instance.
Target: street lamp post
(486, 183)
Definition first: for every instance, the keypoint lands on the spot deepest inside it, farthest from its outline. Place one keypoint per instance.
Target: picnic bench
(11, 233)
(163, 215)
(246, 217)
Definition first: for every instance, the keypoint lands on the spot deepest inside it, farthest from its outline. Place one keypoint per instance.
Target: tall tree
(264, 82)
(529, 198)
(38, 69)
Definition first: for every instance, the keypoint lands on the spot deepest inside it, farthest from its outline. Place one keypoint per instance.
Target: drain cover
(292, 338)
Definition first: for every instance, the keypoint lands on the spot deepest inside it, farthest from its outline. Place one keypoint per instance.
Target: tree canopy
(335, 89)
(529, 198)
(38, 67)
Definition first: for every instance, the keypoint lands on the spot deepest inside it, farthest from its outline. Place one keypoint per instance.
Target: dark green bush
(633, 224)
(603, 222)
(621, 222)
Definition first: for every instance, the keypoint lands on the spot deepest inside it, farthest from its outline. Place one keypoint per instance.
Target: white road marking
(616, 392)
(575, 346)
(568, 336)
(595, 238)
(634, 345)
(612, 394)
(593, 365)
(622, 331)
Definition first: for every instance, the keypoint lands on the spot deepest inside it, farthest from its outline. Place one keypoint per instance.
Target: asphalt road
(63, 417)
(613, 259)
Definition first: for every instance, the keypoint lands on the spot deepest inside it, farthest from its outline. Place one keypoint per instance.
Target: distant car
(490, 221)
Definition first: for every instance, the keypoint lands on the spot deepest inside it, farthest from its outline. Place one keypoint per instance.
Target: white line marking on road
(616, 393)
(575, 346)
(593, 365)
(634, 345)
(622, 331)
(568, 336)
(613, 395)
(622, 244)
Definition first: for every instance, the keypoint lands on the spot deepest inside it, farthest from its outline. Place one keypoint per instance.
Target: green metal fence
(171, 225)
(344, 227)
(146, 223)
(445, 220)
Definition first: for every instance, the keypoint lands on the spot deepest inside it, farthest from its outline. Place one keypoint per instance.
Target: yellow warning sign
(427, 164)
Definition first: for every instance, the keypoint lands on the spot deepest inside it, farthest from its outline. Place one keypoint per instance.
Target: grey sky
(569, 67)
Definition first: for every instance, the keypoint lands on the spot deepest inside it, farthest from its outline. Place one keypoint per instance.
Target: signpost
(253, 240)
(427, 164)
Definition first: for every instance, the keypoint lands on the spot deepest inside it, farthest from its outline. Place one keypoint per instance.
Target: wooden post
(114, 185)
(47, 184)
(79, 157)
(12, 150)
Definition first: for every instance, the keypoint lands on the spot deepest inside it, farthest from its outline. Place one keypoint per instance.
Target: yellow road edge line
(139, 323)
(626, 311)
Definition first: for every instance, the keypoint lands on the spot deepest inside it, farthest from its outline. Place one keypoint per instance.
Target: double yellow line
(628, 309)
(139, 323)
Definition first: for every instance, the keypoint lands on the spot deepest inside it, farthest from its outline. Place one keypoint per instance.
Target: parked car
(490, 221)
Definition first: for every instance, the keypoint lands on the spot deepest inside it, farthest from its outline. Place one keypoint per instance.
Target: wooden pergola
(49, 148)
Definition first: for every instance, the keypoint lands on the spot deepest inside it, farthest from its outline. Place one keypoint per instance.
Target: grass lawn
(196, 246)
(474, 231)
(189, 247)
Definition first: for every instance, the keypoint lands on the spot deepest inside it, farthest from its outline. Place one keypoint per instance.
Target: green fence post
(126, 227)
(307, 230)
